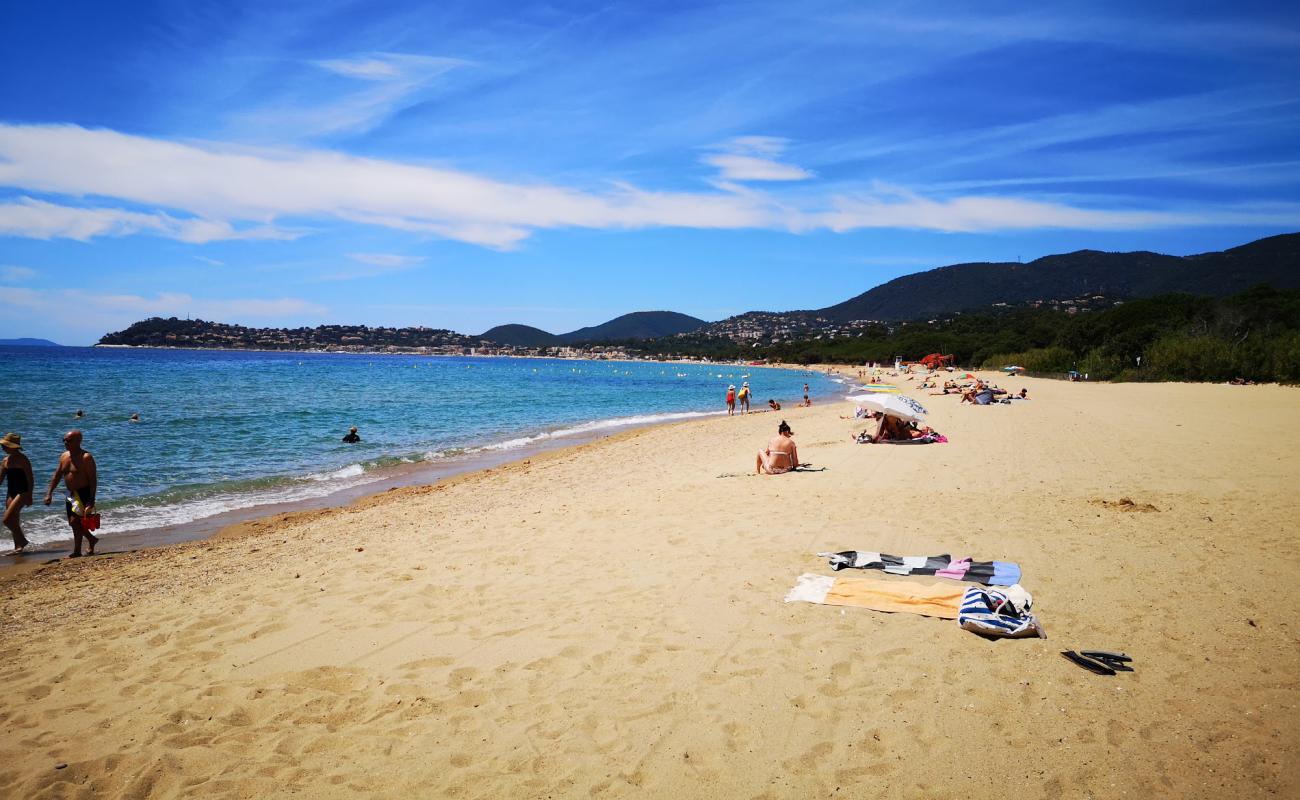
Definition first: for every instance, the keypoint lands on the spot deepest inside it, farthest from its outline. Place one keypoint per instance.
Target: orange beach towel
(894, 597)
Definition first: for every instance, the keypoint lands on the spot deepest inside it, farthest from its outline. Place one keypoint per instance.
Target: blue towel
(1005, 573)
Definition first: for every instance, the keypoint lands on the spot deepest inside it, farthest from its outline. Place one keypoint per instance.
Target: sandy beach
(608, 621)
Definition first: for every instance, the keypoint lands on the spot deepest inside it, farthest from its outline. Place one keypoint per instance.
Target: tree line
(1177, 337)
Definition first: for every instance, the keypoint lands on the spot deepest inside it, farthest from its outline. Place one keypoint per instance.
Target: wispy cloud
(85, 316)
(754, 158)
(234, 193)
(211, 261)
(15, 274)
(38, 219)
(372, 265)
(389, 260)
(387, 81)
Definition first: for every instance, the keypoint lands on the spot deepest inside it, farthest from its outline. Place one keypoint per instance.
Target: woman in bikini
(780, 455)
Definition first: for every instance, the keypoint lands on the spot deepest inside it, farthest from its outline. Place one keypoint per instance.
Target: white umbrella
(1013, 369)
(893, 405)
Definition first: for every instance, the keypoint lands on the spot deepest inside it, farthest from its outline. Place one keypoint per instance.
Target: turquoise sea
(222, 431)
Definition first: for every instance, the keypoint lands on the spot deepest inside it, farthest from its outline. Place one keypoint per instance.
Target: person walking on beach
(806, 400)
(731, 399)
(77, 469)
(743, 397)
(18, 469)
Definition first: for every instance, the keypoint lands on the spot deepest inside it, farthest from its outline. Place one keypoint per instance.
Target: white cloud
(753, 158)
(390, 260)
(14, 274)
(389, 80)
(163, 304)
(77, 316)
(214, 262)
(372, 265)
(233, 193)
(38, 219)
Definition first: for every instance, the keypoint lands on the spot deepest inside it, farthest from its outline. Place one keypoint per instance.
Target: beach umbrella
(893, 405)
(968, 375)
(1013, 369)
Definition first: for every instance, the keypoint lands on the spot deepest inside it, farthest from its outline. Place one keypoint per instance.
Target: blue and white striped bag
(1002, 613)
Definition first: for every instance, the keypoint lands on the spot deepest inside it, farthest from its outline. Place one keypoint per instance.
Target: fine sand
(607, 621)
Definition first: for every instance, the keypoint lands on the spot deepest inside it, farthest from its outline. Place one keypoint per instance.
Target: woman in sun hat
(18, 470)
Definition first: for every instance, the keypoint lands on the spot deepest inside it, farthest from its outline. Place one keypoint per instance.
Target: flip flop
(1088, 663)
(1115, 661)
(1105, 655)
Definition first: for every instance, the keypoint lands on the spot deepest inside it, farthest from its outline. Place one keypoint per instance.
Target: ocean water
(222, 431)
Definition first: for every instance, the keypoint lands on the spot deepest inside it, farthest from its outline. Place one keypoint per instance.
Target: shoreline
(393, 476)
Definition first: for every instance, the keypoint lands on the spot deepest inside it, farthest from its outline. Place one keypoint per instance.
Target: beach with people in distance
(610, 619)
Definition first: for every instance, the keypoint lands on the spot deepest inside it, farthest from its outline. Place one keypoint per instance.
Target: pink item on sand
(955, 570)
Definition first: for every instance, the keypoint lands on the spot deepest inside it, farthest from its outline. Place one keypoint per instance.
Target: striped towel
(992, 573)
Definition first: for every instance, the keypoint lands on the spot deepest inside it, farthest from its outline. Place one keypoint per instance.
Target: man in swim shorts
(77, 469)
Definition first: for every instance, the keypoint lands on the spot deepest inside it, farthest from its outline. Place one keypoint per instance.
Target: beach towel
(878, 595)
(999, 613)
(991, 573)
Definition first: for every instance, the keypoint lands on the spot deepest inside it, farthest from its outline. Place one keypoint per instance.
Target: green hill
(963, 287)
(521, 336)
(637, 325)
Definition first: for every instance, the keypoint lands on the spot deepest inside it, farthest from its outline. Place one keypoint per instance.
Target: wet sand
(607, 620)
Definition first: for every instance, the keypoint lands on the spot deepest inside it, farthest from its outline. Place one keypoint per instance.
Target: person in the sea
(77, 470)
(780, 455)
(743, 397)
(134, 417)
(772, 404)
(807, 401)
(79, 414)
(18, 469)
(731, 399)
(352, 437)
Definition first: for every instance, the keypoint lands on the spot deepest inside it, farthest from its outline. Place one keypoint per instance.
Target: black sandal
(1090, 664)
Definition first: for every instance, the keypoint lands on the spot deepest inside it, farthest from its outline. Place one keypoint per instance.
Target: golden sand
(607, 621)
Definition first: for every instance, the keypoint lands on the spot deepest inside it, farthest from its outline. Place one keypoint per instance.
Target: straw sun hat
(12, 441)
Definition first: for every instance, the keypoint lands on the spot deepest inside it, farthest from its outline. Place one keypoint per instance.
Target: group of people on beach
(76, 468)
(745, 393)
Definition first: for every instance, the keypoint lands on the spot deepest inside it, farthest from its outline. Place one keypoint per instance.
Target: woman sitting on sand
(780, 455)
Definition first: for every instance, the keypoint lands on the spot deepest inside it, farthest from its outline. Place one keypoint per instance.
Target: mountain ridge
(1274, 260)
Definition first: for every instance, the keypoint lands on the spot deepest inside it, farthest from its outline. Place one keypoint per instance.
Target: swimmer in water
(352, 437)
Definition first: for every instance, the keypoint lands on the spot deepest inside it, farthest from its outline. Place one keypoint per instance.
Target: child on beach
(731, 400)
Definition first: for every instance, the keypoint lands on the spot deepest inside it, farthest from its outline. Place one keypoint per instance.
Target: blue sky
(463, 165)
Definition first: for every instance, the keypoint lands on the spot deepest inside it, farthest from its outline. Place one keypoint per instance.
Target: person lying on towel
(780, 455)
(893, 429)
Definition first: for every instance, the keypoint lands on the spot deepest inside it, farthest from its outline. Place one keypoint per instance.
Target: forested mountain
(964, 287)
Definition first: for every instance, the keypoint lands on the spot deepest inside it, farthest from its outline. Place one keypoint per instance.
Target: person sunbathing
(780, 455)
